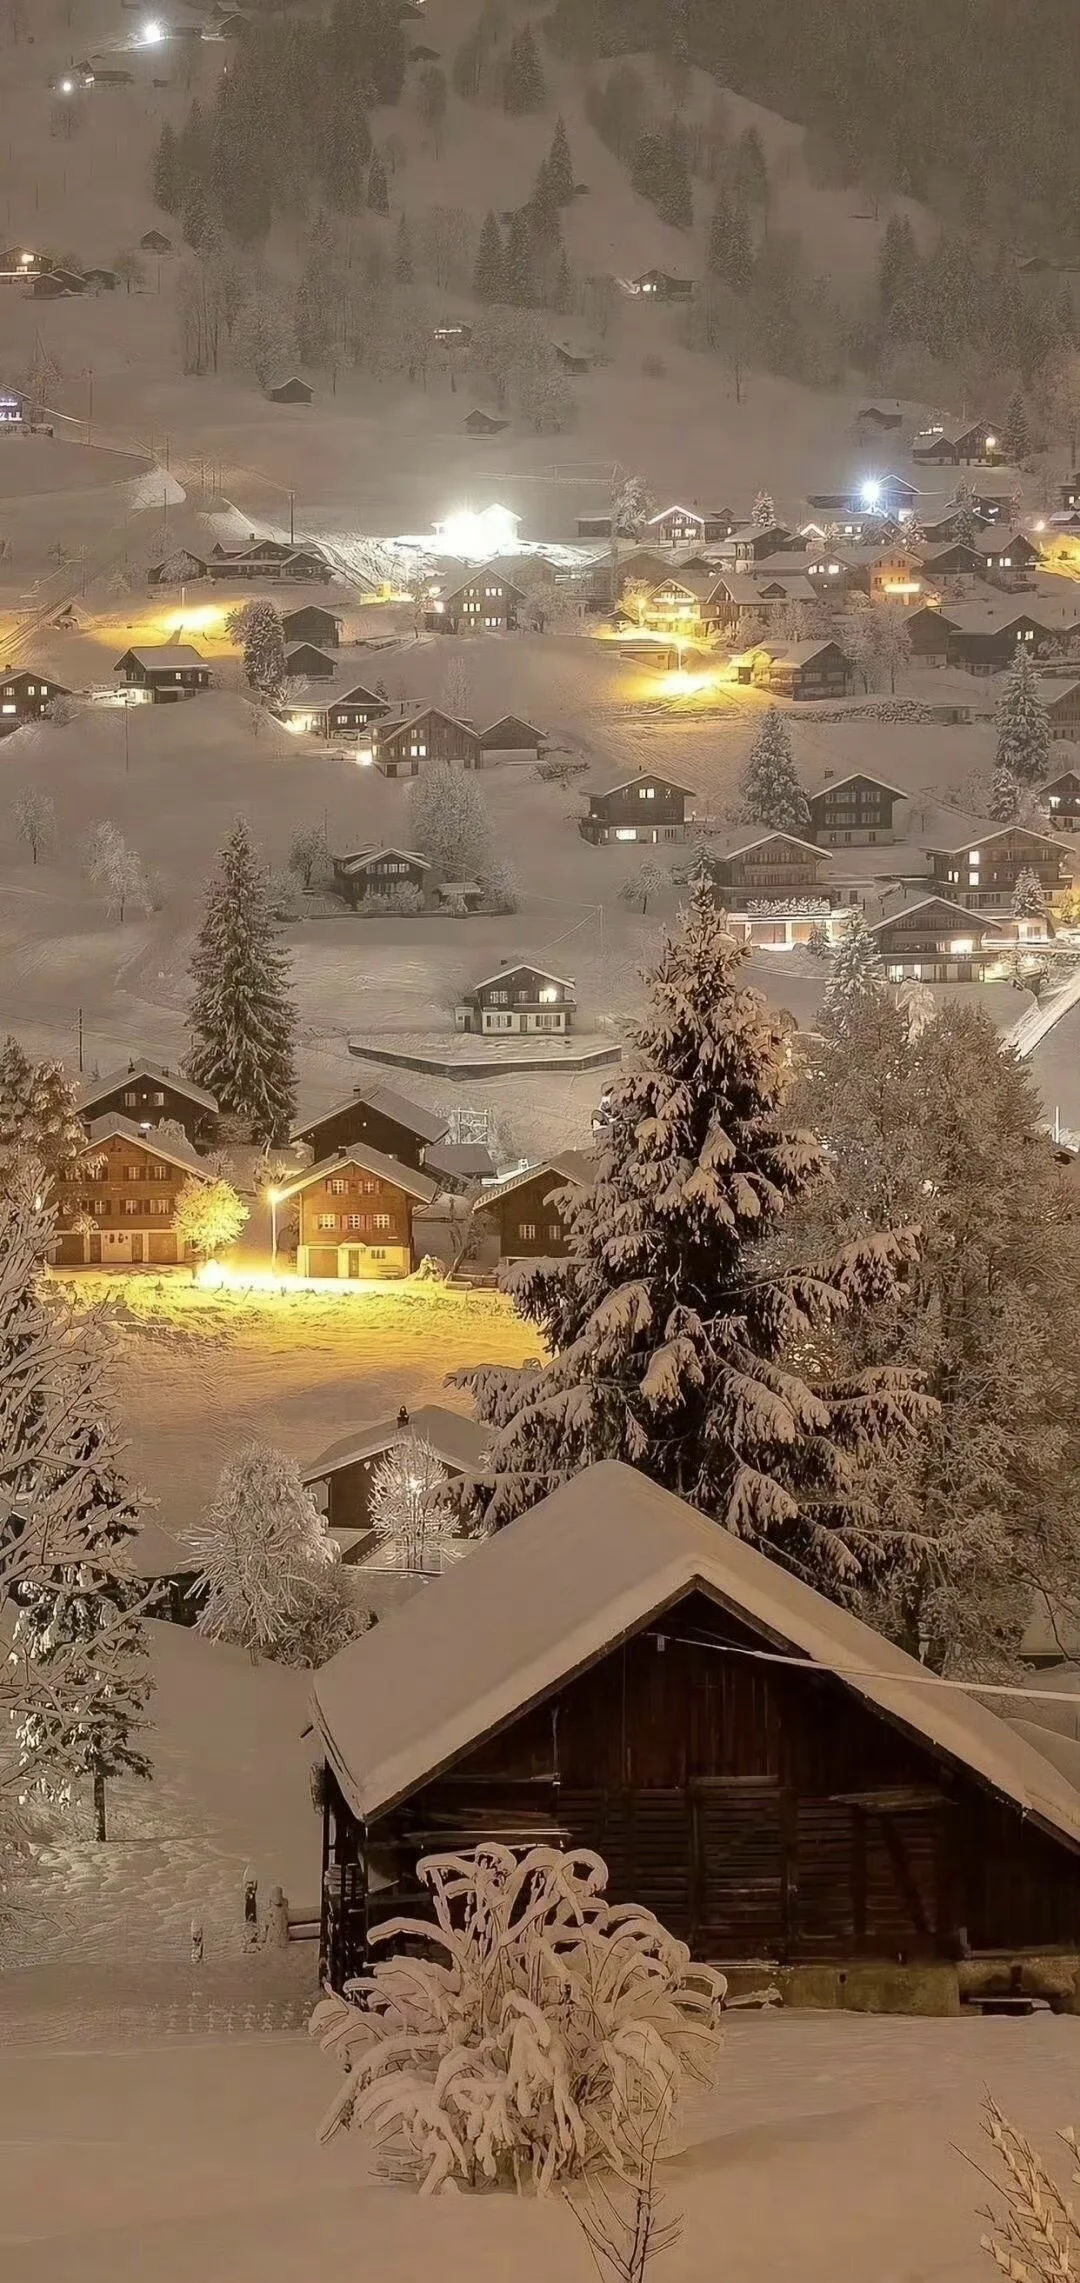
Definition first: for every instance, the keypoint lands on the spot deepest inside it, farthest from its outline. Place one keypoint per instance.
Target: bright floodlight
(871, 493)
(477, 536)
(151, 34)
(67, 86)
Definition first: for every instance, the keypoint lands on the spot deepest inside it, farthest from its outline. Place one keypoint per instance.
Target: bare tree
(35, 821)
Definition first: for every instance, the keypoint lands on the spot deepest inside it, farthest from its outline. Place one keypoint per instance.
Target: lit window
(382, 1221)
(131, 1207)
(625, 832)
(527, 1229)
(130, 1099)
(9, 709)
(326, 1221)
(549, 995)
(337, 1187)
(356, 1221)
(554, 1229)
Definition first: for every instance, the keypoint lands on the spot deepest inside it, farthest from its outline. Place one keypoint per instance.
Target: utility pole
(292, 525)
(80, 1043)
(89, 403)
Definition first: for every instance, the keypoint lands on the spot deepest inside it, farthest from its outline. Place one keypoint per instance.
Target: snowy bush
(528, 2048)
(268, 1568)
(410, 1505)
(1036, 2239)
(404, 900)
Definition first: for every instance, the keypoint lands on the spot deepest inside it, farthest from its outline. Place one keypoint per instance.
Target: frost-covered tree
(559, 166)
(39, 1123)
(763, 512)
(1004, 801)
(263, 342)
(118, 872)
(1027, 901)
(1023, 725)
(965, 515)
(309, 856)
(449, 821)
(855, 970)
(523, 78)
(892, 639)
(74, 1684)
(1016, 433)
(489, 275)
(208, 1215)
(633, 505)
(410, 1506)
(529, 2030)
(257, 625)
(269, 1576)
(35, 821)
(241, 1015)
(675, 1344)
(649, 880)
(770, 788)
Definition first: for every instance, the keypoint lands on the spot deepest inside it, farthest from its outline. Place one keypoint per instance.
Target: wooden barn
(523, 1209)
(380, 1118)
(403, 748)
(149, 1094)
(599, 1675)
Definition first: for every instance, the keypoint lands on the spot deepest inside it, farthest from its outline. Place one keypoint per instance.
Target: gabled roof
(122, 1129)
(576, 1168)
(96, 1088)
(977, 920)
(700, 584)
(337, 693)
(483, 571)
(386, 730)
(461, 1161)
(517, 967)
(998, 832)
(644, 776)
(162, 657)
(367, 1160)
(547, 1597)
(9, 675)
(511, 721)
(740, 587)
(358, 860)
(775, 832)
(865, 776)
(423, 1123)
(800, 653)
(693, 515)
(459, 1441)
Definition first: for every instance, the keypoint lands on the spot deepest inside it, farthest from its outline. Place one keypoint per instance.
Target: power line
(917, 1679)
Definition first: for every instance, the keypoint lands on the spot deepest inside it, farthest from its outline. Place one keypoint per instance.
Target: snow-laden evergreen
(1023, 725)
(1027, 902)
(763, 512)
(449, 822)
(532, 2032)
(770, 788)
(258, 625)
(38, 1119)
(241, 1015)
(269, 1577)
(855, 968)
(410, 1506)
(73, 1689)
(677, 1343)
(1005, 797)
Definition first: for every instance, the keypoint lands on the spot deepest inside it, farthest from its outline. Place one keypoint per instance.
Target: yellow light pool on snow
(476, 535)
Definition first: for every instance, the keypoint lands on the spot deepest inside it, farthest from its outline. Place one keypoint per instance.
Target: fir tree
(559, 166)
(523, 79)
(520, 261)
(167, 174)
(771, 792)
(731, 245)
(258, 625)
(195, 214)
(39, 1123)
(269, 1572)
(751, 173)
(489, 283)
(1016, 435)
(854, 972)
(378, 195)
(898, 270)
(670, 1328)
(404, 267)
(1027, 902)
(562, 292)
(1004, 802)
(763, 512)
(449, 823)
(1023, 725)
(964, 515)
(241, 1016)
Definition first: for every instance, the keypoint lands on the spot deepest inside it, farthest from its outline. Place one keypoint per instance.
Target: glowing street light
(67, 87)
(152, 35)
(475, 536)
(274, 1198)
(871, 493)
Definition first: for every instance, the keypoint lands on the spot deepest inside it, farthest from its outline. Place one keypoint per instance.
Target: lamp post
(273, 1199)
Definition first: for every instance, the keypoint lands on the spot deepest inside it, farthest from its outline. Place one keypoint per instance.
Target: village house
(453, 335)
(971, 444)
(179, 569)
(575, 361)
(147, 1094)
(524, 1210)
(1061, 800)
(683, 603)
(649, 808)
(878, 420)
(277, 559)
(356, 1215)
(155, 242)
(686, 527)
(26, 695)
(486, 602)
(1060, 701)
(639, 568)
(18, 266)
(801, 671)
(660, 285)
(518, 998)
(769, 864)
(929, 633)
(958, 559)
(998, 498)
(875, 500)
(169, 670)
(380, 1119)
(311, 623)
(985, 636)
(480, 423)
(13, 412)
(303, 660)
(511, 739)
(853, 811)
(57, 284)
(365, 875)
(749, 543)
(341, 1474)
(1006, 552)
(887, 572)
(115, 1206)
(341, 709)
(937, 941)
(292, 391)
(404, 748)
(592, 1677)
(738, 597)
(983, 876)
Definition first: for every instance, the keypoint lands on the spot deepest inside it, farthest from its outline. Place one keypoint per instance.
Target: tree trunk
(100, 1830)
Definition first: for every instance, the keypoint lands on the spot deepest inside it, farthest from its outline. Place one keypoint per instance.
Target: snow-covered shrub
(270, 1579)
(409, 1498)
(528, 2048)
(1036, 2239)
(402, 902)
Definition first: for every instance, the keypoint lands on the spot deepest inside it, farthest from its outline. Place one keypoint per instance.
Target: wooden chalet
(804, 671)
(311, 623)
(740, 597)
(876, 500)
(853, 811)
(57, 285)
(590, 1678)
(1061, 800)
(985, 640)
(684, 602)
(149, 1094)
(168, 670)
(935, 940)
(525, 1208)
(306, 660)
(480, 423)
(18, 266)
(115, 1206)
(750, 543)
(687, 527)
(155, 242)
(649, 808)
(575, 361)
(957, 559)
(1003, 552)
(365, 874)
(342, 1472)
(486, 602)
(379, 1118)
(277, 559)
(887, 572)
(971, 444)
(1060, 701)
(404, 748)
(878, 420)
(13, 412)
(982, 875)
(998, 499)
(26, 695)
(518, 998)
(929, 634)
(339, 708)
(768, 865)
(101, 280)
(512, 739)
(292, 391)
(641, 567)
(661, 285)
(356, 1215)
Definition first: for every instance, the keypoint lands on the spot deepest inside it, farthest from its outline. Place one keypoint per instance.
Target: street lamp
(274, 1198)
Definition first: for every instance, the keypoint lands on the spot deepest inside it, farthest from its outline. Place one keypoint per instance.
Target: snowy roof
(332, 693)
(459, 1441)
(644, 777)
(982, 921)
(96, 1088)
(546, 1597)
(358, 859)
(372, 1161)
(575, 1167)
(743, 847)
(997, 617)
(800, 653)
(176, 1152)
(163, 657)
(856, 777)
(517, 967)
(998, 832)
(740, 587)
(469, 1161)
(427, 1126)
(992, 540)
(491, 570)
(700, 584)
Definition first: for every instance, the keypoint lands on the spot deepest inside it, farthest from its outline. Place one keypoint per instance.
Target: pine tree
(449, 822)
(854, 972)
(1004, 802)
(410, 1506)
(1016, 435)
(763, 512)
(673, 195)
(771, 792)
(898, 271)
(560, 166)
(404, 267)
(378, 195)
(1023, 725)
(489, 281)
(75, 1682)
(269, 1572)
(964, 515)
(167, 174)
(258, 625)
(670, 1328)
(523, 80)
(634, 503)
(38, 1119)
(1027, 902)
(520, 261)
(731, 244)
(562, 292)
(751, 173)
(241, 1016)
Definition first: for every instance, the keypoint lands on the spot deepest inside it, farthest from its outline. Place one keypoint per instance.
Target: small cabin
(768, 863)
(369, 875)
(526, 1208)
(662, 285)
(339, 709)
(305, 659)
(937, 941)
(512, 739)
(115, 1206)
(854, 811)
(929, 634)
(311, 623)
(149, 1094)
(984, 643)
(341, 1474)
(291, 391)
(480, 423)
(518, 998)
(26, 695)
(57, 285)
(803, 671)
(378, 1117)
(688, 527)
(1006, 551)
(13, 412)
(648, 808)
(575, 361)
(169, 670)
(404, 748)
(356, 1215)
(971, 444)
(155, 242)
(879, 420)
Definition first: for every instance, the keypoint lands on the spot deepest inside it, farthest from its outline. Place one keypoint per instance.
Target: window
(548, 1022)
(381, 1221)
(499, 998)
(555, 1230)
(130, 1099)
(369, 1186)
(100, 1205)
(159, 1206)
(178, 677)
(9, 709)
(338, 1187)
(158, 1101)
(356, 1221)
(626, 832)
(527, 1229)
(326, 1221)
(31, 691)
(646, 792)
(134, 1173)
(377, 1252)
(158, 1172)
(131, 1207)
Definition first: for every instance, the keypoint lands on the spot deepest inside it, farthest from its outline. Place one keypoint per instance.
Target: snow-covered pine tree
(449, 822)
(855, 971)
(671, 1332)
(75, 1683)
(38, 1118)
(1023, 725)
(763, 512)
(489, 274)
(965, 515)
(770, 788)
(1004, 802)
(241, 1015)
(258, 626)
(560, 166)
(410, 1506)
(634, 503)
(269, 1577)
(1027, 902)
(1016, 435)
